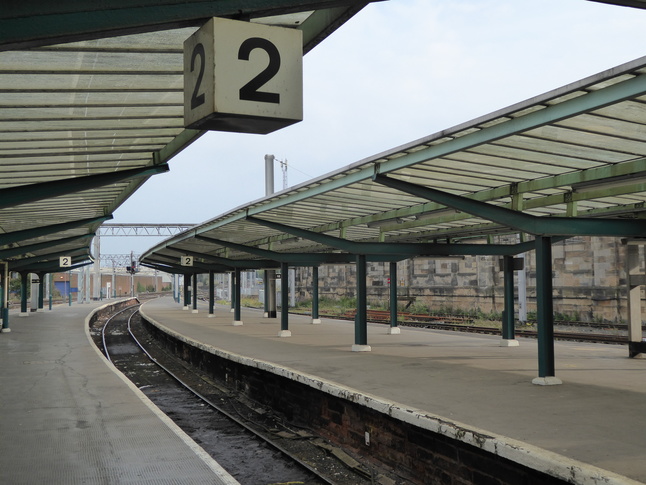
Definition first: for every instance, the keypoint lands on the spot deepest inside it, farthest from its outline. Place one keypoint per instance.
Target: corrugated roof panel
(533, 153)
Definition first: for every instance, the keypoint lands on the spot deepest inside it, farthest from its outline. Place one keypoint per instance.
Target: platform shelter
(93, 101)
(570, 162)
(92, 98)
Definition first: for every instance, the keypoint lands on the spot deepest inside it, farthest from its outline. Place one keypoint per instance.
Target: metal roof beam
(196, 268)
(324, 21)
(161, 267)
(26, 234)
(401, 250)
(42, 22)
(242, 264)
(176, 145)
(383, 163)
(598, 174)
(53, 267)
(335, 242)
(23, 194)
(48, 267)
(304, 259)
(45, 261)
(624, 3)
(158, 260)
(544, 226)
(20, 250)
(292, 258)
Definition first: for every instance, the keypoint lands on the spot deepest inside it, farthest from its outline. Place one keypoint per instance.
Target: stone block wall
(588, 277)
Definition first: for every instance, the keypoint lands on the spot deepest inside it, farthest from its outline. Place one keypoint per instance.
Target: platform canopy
(569, 162)
(91, 105)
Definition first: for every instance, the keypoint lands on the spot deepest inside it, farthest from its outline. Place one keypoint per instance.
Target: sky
(397, 71)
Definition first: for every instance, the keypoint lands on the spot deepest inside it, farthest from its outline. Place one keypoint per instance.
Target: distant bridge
(131, 229)
(142, 229)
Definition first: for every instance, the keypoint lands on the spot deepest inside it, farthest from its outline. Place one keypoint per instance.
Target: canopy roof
(569, 162)
(87, 113)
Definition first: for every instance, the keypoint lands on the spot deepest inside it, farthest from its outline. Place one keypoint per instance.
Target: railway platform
(592, 425)
(69, 417)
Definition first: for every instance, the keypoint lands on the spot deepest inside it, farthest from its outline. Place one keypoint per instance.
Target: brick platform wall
(419, 455)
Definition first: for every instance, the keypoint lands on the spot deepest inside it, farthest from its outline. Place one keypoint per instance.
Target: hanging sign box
(243, 77)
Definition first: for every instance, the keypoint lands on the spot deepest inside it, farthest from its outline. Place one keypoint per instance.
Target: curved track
(252, 453)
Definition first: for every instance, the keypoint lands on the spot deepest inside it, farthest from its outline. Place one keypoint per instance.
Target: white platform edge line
(534, 457)
(222, 476)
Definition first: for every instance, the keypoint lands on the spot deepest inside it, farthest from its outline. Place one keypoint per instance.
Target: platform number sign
(187, 260)
(65, 261)
(243, 77)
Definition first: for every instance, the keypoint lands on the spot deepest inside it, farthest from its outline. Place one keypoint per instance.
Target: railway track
(252, 444)
(558, 335)
(464, 324)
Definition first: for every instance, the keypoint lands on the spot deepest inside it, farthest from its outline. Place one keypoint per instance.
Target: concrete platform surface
(596, 417)
(67, 416)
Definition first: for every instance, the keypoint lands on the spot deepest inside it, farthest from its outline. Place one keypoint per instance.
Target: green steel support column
(265, 285)
(315, 295)
(41, 291)
(237, 320)
(211, 293)
(394, 328)
(194, 293)
(270, 294)
(508, 335)
(545, 313)
(187, 294)
(232, 290)
(284, 301)
(361, 319)
(5, 299)
(24, 277)
(51, 289)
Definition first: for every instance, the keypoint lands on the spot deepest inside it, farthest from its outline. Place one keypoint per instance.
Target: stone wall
(588, 278)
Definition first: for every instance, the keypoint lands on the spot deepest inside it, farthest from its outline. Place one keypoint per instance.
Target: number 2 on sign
(197, 99)
(249, 91)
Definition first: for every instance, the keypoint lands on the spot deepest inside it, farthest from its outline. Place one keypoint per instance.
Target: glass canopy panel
(607, 126)
(582, 138)
(587, 157)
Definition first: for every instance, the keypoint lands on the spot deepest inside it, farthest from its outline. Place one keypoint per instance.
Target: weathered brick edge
(533, 457)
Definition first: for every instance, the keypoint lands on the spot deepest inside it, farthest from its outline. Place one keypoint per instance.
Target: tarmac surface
(596, 417)
(68, 417)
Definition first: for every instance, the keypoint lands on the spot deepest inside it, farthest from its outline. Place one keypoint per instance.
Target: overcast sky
(399, 70)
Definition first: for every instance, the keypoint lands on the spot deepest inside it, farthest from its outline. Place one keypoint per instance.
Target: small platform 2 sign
(243, 77)
(65, 261)
(186, 260)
